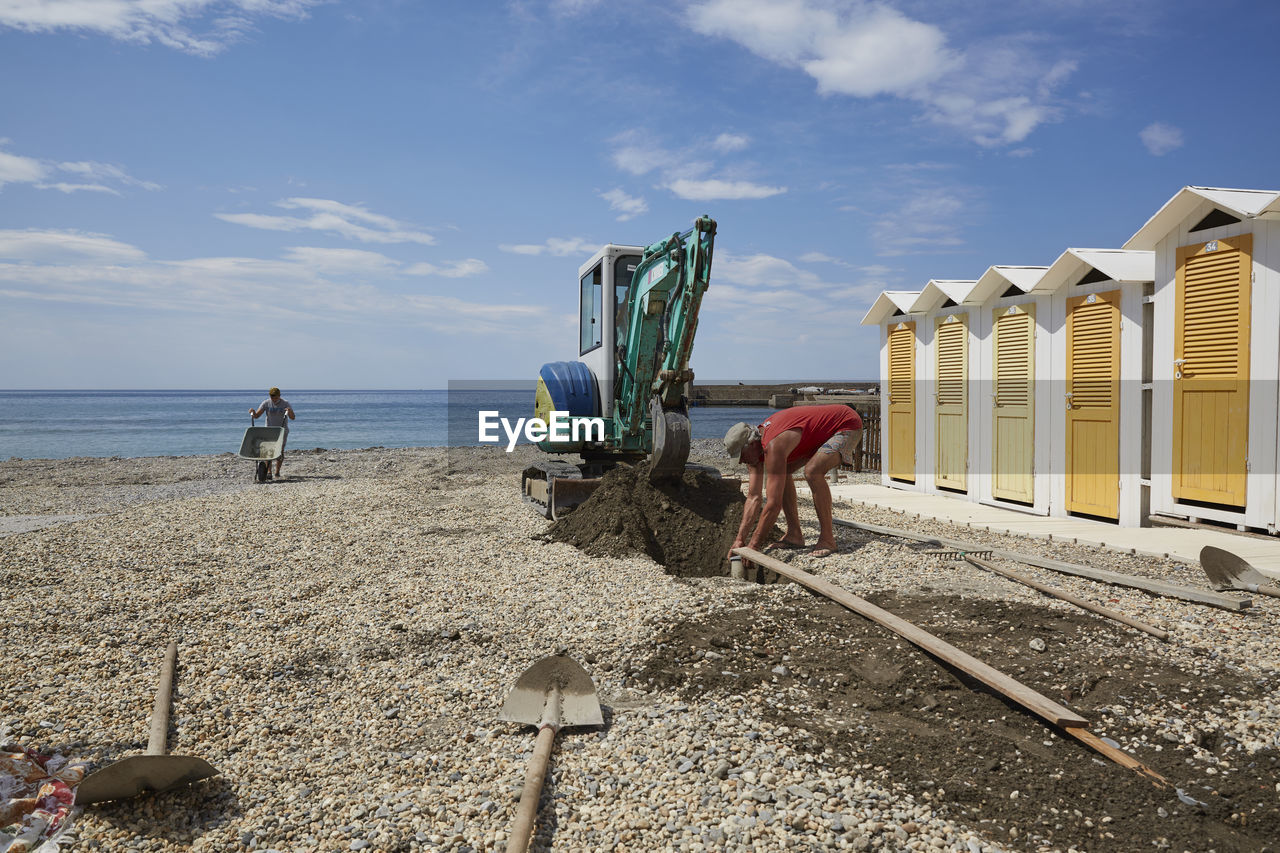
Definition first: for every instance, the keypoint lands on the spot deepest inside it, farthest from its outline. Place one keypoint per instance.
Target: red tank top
(816, 425)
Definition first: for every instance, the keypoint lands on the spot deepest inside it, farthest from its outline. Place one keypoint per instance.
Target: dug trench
(869, 702)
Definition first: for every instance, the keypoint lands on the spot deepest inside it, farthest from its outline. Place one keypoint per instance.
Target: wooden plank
(1168, 590)
(1068, 597)
(1171, 521)
(995, 679)
(1119, 756)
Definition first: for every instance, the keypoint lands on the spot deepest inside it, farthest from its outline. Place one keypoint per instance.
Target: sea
(63, 424)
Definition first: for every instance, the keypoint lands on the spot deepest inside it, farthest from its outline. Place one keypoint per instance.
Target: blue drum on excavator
(625, 398)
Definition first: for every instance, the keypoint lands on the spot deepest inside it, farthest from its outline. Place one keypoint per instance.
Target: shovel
(553, 693)
(1228, 571)
(152, 771)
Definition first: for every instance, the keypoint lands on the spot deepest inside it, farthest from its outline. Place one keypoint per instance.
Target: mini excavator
(638, 310)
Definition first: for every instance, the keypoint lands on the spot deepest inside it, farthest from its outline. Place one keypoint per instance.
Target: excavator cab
(637, 314)
(602, 315)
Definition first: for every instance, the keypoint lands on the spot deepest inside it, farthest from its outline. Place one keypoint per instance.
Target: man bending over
(815, 438)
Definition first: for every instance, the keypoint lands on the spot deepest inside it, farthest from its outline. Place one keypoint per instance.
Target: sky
(393, 194)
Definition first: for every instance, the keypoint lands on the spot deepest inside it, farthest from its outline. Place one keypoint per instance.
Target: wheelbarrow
(262, 444)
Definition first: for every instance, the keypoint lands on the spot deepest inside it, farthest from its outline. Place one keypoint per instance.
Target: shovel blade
(139, 774)
(579, 705)
(1229, 571)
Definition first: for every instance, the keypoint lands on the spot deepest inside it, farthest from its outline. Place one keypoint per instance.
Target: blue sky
(236, 193)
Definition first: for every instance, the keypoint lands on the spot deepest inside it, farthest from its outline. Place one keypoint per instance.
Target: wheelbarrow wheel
(260, 476)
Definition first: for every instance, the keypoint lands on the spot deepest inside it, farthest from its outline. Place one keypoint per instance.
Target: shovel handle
(522, 826)
(160, 713)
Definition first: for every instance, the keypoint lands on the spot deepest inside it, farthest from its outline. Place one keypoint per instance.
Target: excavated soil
(686, 526)
(871, 700)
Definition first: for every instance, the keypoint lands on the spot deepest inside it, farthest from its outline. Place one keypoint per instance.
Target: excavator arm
(653, 359)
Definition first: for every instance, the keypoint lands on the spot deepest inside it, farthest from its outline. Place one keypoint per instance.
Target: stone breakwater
(347, 636)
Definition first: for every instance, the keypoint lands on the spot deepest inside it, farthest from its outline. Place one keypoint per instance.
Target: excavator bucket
(670, 442)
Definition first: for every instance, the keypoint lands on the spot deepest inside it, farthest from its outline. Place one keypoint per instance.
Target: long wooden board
(995, 679)
(1068, 597)
(1119, 756)
(1169, 590)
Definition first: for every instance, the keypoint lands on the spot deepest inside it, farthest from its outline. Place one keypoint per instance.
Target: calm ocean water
(60, 424)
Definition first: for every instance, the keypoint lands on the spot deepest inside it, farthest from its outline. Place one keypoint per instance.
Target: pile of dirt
(686, 526)
(861, 692)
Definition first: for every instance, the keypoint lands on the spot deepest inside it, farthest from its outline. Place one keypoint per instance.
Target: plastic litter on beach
(37, 798)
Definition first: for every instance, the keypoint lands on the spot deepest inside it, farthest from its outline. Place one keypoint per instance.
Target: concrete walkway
(1174, 543)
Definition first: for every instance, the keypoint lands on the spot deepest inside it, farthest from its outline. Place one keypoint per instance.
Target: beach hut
(1099, 377)
(899, 344)
(1011, 356)
(1216, 354)
(942, 384)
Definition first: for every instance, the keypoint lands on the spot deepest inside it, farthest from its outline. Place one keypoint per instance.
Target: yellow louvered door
(1211, 371)
(951, 339)
(902, 402)
(1014, 338)
(1093, 404)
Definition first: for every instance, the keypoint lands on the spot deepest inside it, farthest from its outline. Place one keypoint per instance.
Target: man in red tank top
(815, 438)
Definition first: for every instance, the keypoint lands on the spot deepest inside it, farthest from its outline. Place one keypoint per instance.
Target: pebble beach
(347, 634)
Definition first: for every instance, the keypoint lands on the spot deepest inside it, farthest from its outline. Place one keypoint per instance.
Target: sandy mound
(686, 526)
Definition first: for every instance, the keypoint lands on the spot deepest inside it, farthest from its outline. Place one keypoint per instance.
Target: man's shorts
(843, 443)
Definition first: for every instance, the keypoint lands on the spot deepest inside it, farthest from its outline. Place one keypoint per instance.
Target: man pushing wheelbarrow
(279, 413)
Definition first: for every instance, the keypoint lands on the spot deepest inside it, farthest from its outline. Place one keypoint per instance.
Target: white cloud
(329, 285)
(340, 261)
(684, 172)
(166, 22)
(559, 247)
(33, 245)
(763, 271)
(491, 312)
(637, 155)
(352, 221)
(628, 206)
(572, 8)
(1161, 138)
(453, 269)
(871, 50)
(727, 142)
(925, 221)
(715, 189)
(64, 187)
(94, 177)
(103, 172)
(994, 93)
(20, 170)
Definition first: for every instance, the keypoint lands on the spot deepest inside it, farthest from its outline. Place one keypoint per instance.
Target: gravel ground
(347, 635)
